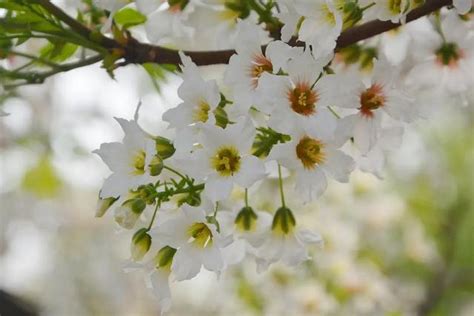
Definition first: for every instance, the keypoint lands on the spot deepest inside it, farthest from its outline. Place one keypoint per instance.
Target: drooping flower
(285, 242)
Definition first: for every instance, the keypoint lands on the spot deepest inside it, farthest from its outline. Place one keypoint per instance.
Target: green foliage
(265, 140)
(42, 179)
(58, 51)
(129, 17)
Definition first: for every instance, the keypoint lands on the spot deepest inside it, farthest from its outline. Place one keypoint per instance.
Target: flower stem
(154, 215)
(179, 174)
(280, 182)
(246, 198)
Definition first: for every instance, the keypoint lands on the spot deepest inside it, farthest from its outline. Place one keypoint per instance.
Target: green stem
(36, 58)
(246, 198)
(367, 6)
(179, 174)
(280, 182)
(154, 215)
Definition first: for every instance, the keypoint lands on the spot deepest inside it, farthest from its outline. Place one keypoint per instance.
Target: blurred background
(401, 246)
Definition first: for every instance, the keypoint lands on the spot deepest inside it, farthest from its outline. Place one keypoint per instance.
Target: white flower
(247, 66)
(129, 160)
(371, 101)
(321, 26)
(445, 64)
(390, 10)
(198, 242)
(312, 155)
(299, 98)
(200, 98)
(248, 228)
(374, 161)
(169, 23)
(225, 158)
(285, 242)
(158, 271)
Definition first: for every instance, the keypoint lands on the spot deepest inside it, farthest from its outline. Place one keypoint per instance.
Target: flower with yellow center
(226, 161)
(313, 156)
(129, 160)
(393, 10)
(310, 152)
(321, 26)
(224, 158)
(200, 99)
(197, 242)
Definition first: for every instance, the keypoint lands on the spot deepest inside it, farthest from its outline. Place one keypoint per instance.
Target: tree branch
(139, 53)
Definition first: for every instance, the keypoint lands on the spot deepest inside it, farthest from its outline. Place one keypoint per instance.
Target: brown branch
(139, 53)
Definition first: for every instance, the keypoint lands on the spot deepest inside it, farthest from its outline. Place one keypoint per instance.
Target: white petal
(251, 170)
(338, 164)
(186, 263)
(218, 188)
(310, 183)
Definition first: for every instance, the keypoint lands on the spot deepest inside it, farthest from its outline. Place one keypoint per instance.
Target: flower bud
(283, 221)
(156, 166)
(140, 245)
(128, 214)
(246, 219)
(164, 147)
(351, 13)
(164, 257)
(103, 205)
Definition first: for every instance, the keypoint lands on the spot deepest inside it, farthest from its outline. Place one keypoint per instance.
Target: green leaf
(129, 17)
(58, 51)
(42, 179)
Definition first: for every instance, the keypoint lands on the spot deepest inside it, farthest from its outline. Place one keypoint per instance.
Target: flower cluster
(280, 112)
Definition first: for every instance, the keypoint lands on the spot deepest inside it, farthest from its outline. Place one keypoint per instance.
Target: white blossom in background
(445, 61)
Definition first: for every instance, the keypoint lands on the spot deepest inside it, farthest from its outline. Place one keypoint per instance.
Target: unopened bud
(156, 166)
(140, 245)
(164, 257)
(246, 219)
(128, 214)
(164, 147)
(136, 205)
(103, 205)
(283, 221)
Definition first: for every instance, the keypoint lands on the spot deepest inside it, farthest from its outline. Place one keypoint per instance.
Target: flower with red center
(445, 63)
(302, 95)
(246, 68)
(371, 103)
(260, 64)
(303, 99)
(371, 99)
